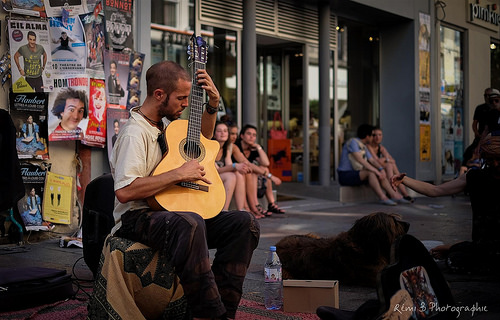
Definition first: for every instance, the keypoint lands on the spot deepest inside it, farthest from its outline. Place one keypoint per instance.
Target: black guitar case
(22, 288)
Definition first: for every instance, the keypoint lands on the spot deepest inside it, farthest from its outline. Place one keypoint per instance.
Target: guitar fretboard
(196, 111)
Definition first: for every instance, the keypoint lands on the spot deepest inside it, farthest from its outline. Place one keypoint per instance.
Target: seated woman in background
(385, 160)
(253, 154)
(230, 172)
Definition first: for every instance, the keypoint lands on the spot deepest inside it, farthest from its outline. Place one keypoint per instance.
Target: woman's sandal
(264, 213)
(273, 207)
(259, 214)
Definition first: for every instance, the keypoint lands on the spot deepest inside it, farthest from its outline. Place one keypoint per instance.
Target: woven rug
(76, 309)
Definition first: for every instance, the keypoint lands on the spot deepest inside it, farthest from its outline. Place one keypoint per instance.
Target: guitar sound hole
(192, 150)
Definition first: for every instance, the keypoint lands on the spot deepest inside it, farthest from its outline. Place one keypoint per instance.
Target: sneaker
(409, 199)
(388, 202)
(402, 201)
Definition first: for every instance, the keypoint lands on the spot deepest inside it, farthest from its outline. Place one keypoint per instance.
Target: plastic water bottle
(273, 287)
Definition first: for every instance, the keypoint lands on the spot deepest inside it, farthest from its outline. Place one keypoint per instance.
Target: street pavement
(310, 209)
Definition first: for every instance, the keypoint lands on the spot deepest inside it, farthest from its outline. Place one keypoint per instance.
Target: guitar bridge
(193, 185)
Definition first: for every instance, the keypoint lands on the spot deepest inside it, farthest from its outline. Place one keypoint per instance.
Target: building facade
(415, 68)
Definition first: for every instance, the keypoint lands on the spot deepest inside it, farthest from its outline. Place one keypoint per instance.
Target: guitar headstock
(197, 50)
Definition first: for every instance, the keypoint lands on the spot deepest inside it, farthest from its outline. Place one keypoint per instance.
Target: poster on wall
(425, 142)
(34, 8)
(116, 120)
(116, 69)
(93, 28)
(54, 8)
(134, 79)
(119, 17)
(30, 51)
(67, 45)
(424, 105)
(68, 108)
(57, 198)
(96, 127)
(448, 158)
(31, 205)
(424, 101)
(29, 114)
(424, 39)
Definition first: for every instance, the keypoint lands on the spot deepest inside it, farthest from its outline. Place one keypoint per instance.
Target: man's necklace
(158, 124)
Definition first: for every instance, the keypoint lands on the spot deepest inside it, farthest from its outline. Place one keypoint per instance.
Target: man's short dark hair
(246, 127)
(32, 33)
(365, 130)
(66, 94)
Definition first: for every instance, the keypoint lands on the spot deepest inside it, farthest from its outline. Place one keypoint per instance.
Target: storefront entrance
(280, 106)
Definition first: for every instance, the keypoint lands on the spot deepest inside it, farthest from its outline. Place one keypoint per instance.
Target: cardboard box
(308, 295)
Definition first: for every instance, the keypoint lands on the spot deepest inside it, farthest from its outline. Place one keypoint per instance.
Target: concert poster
(119, 17)
(29, 114)
(93, 28)
(116, 70)
(68, 108)
(116, 119)
(96, 127)
(67, 45)
(31, 62)
(54, 8)
(31, 205)
(57, 198)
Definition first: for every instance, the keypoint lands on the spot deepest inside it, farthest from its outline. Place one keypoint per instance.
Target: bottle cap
(272, 248)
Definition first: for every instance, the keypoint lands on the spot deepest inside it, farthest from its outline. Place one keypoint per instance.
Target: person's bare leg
(273, 206)
(229, 181)
(240, 193)
(251, 186)
(373, 182)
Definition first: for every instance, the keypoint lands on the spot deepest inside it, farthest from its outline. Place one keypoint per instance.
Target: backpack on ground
(411, 286)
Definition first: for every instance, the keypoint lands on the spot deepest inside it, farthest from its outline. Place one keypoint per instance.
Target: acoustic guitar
(186, 142)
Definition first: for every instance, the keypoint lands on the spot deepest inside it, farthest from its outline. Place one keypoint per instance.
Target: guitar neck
(196, 107)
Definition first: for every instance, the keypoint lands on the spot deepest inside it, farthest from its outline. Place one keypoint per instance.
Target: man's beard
(164, 105)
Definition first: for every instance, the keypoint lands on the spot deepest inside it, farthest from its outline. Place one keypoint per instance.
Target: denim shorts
(350, 178)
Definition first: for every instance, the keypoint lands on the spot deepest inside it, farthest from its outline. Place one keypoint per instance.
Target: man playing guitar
(185, 237)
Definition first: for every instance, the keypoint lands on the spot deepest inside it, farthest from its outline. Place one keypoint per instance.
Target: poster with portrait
(54, 8)
(30, 55)
(93, 29)
(448, 158)
(134, 79)
(57, 198)
(116, 119)
(68, 108)
(29, 114)
(31, 205)
(116, 70)
(96, 127)
(119, 17)
(67, 45)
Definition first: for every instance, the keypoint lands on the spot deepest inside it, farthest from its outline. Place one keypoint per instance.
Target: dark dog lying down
(352, 257)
